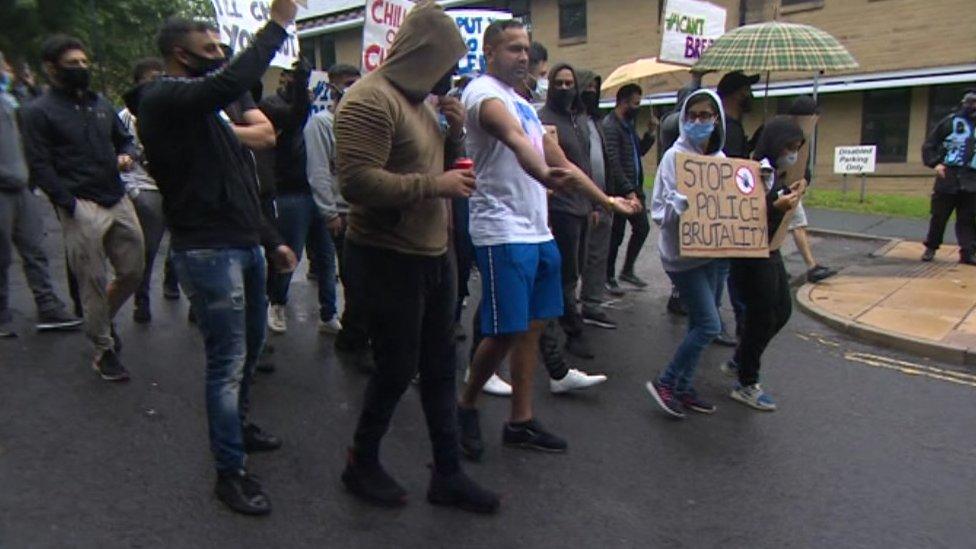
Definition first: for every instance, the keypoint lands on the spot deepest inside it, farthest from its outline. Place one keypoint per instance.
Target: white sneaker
(494, 386)
(332, 326)
(575, 379)
(276, 319)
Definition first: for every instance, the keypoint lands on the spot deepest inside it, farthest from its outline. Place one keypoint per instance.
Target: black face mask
(443, 85)
(74, 78)
(592, 101)
(632, 113)
(202, 66)
(747, 103)
(562, 97)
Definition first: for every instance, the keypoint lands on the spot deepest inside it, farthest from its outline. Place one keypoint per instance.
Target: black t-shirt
(736, 144)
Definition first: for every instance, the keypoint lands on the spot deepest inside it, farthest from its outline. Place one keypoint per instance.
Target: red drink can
(464, 164)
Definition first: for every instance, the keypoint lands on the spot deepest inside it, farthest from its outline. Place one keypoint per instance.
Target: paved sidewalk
(875, 225)
(894, 299)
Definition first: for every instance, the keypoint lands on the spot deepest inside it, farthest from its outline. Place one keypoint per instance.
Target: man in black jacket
(625, 151)
(75, 146)
(210, 197)
(949, 149)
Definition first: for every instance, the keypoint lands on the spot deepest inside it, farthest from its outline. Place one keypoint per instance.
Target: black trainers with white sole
(57, 319)
(599, 319)
(110, 368)
(532, 435)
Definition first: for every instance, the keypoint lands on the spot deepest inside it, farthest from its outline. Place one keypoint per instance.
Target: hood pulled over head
(717, 140)
(555, 98)
(426, 47)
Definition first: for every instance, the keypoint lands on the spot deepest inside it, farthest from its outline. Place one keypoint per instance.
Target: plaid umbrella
(776, 46)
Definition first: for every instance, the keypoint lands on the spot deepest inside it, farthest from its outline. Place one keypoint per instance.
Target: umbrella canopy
(776, 46)
(640, 69)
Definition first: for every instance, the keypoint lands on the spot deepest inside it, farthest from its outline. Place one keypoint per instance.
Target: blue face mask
(4, 82)
(698, 132)
(788, 159)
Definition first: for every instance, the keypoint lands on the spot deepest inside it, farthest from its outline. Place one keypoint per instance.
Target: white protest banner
(726, 215)
(239, 20)
(472, 25)
(383, 19)
(321, 93)
(690, 26)
(856, 159)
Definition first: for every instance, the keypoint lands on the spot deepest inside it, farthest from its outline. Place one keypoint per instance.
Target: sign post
(726, 215)
(857, 159)
(689, 28)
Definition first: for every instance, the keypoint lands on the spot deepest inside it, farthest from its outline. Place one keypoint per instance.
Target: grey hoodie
(667, 204)
(13, 166)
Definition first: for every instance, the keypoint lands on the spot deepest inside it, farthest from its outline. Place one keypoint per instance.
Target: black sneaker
(256, 440)
(242, 493)
(117, 341)
(141, 315)
(631, 278)
(171, 289)
(598, 319)
(109, 367)
(929, 254)
(531, 434)
(577, 346)
(458, 490)
(675, 305)
(819, 273)
(371, 483)
(614, 289)
(57, 319)
(471, 445)
(725, 339)
(7, 333)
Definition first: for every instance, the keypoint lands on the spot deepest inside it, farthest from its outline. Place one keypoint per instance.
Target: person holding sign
(515, 161)
(392, 145)
(210, 197)
(762, 284)
(702, 131)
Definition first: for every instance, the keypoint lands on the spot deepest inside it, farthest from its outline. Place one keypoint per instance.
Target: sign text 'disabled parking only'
(726, 215)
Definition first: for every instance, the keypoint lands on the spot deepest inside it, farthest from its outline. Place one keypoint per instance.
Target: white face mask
(788, 159)
(542, 87)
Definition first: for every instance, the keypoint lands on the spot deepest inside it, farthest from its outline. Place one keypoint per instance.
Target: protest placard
(239, 20)
(382, 20)
(321, 93)
(726, 215)
(472, 25)
(689, 27)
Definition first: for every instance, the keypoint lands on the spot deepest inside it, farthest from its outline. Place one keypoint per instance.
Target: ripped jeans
(226, 288)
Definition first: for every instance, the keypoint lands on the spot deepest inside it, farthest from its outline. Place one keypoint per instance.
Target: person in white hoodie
(702, 131)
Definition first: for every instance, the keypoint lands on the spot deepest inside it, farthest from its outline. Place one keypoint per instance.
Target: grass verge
(916, 207)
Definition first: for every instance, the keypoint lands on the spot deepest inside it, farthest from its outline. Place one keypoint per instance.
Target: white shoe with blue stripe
(754, 397)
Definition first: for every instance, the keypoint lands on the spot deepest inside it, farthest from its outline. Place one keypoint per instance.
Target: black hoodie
(574, 139)
(777, 133)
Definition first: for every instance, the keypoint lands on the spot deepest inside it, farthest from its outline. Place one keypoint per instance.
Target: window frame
(901, 112)
(566, 39)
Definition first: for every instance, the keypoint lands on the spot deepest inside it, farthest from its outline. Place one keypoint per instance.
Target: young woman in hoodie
(702, 132)
(762, 283)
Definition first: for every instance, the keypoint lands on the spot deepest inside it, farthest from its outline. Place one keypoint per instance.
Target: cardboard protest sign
(726, 215)
(690, 27)
(239, 20)
(321, 96)
(383, 19)
(472, 25)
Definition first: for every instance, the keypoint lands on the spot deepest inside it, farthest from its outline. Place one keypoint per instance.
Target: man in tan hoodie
(391, 148)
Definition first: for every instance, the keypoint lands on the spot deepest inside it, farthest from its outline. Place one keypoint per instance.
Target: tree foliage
(117, 32)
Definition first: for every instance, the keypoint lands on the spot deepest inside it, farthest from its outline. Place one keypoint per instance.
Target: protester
(949, 149)
(806, 106)
(21, 224)
(593, 290)
(517, 257)
(763, 284)
(697, 279)
(625, 151)
(76, 146)
(142, 189)
(391, 159)
(332, 207)
(210, 197)
(536, 85)
(298, 217)
(569, 211)
(23, 86)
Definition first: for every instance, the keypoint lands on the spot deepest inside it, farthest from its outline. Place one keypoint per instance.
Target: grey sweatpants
(93, 234)
(22, 226)
(595, 264)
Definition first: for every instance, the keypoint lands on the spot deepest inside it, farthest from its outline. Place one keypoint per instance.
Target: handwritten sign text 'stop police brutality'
(726, 215)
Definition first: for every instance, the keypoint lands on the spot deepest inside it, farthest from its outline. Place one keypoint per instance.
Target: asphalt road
(859, 454)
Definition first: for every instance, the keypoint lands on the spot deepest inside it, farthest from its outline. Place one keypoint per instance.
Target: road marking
(911, 368)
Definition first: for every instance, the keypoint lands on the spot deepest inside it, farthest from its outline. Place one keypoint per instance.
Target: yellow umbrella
(640, 69)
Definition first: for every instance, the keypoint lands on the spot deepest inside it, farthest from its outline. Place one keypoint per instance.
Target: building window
(306, 46)
(572, 20)
(944, 100)
(884, 122)
(327, 52)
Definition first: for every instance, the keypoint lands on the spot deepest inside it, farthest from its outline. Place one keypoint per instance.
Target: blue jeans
(698, 288)
(725, 280)
(299, 220)
(226, 288)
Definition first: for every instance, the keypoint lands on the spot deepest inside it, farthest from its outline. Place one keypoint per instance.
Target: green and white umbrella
(776, 46)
